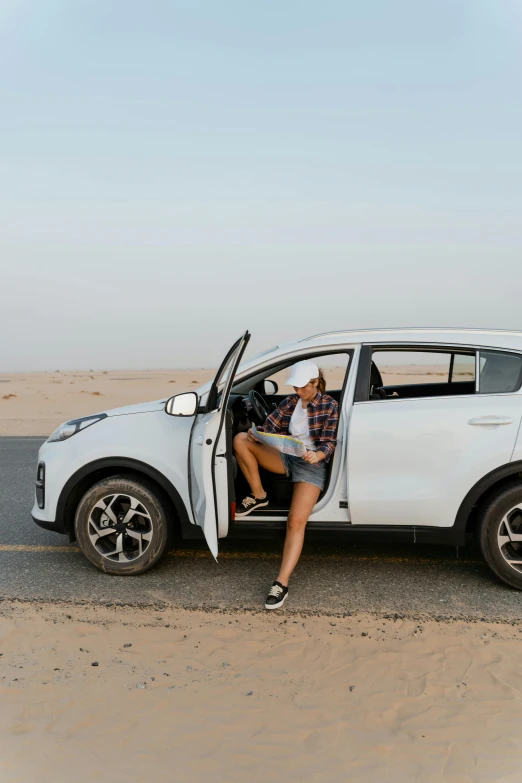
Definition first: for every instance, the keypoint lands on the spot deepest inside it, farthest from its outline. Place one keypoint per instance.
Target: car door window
(499, 372)
(410, 373)
(412, 367)
(221, 381)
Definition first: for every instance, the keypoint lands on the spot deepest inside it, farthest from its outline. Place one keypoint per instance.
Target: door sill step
(280, 522)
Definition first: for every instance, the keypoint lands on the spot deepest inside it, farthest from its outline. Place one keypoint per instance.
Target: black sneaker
(276, 596)
(249, 504)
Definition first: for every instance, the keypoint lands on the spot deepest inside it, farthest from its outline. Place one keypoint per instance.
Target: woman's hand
(313, 458)
(250, 437)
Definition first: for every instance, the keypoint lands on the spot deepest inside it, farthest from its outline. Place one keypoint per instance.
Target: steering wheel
(260, 409)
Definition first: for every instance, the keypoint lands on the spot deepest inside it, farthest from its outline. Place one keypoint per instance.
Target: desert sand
(36, 403)
(132, 696)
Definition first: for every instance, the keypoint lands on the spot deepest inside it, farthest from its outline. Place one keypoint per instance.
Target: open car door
(208, 464)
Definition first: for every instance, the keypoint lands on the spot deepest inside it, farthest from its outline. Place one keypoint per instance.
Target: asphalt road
(332, 578)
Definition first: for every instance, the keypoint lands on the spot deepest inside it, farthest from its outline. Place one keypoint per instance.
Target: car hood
(140, 407)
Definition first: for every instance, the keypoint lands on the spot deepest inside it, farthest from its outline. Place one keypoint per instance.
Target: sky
(173, 173)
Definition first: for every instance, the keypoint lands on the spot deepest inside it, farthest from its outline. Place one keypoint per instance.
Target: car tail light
(233, 510)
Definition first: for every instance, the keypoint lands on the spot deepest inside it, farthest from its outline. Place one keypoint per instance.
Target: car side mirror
(182, 404)
(271, 387)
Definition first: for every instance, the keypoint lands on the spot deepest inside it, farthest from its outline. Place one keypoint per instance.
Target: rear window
(499, 372)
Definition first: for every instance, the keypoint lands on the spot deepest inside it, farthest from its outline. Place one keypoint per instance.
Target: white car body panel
(153, 438)
(140, 407)
(206, 428)
(517, 451)
(60, 464)
(412, 461)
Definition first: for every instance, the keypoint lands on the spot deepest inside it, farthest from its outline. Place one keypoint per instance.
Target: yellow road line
(36, 548)
(202, 554)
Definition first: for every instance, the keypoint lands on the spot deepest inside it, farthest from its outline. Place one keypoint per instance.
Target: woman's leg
(250, 455)
(304, 499)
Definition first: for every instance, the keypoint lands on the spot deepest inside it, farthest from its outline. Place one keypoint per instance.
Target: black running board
(451, 536)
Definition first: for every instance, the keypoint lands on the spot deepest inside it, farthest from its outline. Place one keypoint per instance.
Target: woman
(311, 416)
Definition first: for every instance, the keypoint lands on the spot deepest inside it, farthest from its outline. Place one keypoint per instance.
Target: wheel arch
(88, 475)
(467, 515)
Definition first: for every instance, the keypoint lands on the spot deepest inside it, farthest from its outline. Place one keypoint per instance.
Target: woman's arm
(328, 436)
(277, 422)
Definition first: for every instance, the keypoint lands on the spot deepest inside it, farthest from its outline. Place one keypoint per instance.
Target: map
(283, 443)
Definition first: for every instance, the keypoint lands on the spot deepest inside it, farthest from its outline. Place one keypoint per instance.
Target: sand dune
(226, 697)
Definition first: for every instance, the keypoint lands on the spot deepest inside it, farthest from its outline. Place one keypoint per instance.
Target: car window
(400, 373)
(412, 367)
(214, 397)
(462, 368)
(499, 372)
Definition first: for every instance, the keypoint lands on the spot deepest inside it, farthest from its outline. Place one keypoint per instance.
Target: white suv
(428, 449)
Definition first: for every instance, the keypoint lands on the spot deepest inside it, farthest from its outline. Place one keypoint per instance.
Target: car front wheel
(122, 526)
(500, 534)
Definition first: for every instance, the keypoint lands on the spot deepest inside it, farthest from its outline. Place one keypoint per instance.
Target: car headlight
(70, 428)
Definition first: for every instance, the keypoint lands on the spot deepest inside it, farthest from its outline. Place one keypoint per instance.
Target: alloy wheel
(509, 538)
(120, 528)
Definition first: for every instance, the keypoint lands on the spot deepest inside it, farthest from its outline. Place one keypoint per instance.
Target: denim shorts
(298, 471)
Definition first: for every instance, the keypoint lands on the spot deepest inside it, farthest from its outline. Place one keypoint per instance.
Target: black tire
(490, 522)
(148, 539)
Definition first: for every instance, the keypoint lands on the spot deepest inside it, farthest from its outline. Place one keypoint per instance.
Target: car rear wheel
(122, 526)
(500, 534)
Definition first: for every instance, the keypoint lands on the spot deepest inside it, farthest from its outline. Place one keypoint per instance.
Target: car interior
(253, 399)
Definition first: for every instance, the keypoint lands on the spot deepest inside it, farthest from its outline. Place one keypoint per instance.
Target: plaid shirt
(323, 418)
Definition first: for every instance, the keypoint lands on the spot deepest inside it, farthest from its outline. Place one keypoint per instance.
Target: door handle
(199, 440)
(491, 421)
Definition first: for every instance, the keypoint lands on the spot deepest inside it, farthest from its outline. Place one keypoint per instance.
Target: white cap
(302, 373)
